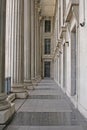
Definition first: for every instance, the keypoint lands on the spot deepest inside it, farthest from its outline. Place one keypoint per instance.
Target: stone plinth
(20, 91)
(38, 79)
(4, 104)
(28, 85)
(7, 109)
(34, 82)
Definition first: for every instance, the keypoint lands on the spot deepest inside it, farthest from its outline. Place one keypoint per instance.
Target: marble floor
(47, 108)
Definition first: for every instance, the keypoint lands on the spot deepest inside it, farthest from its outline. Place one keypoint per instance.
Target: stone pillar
(58, 68)
(39, 49)
(18, 69)
(37, 44)
(36, 41)
(33, 42)
(6, 108)
(40, 60)
(28, 40)
(2, 44)
(8, 38)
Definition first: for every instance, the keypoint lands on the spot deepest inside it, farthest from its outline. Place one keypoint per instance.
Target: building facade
(70, 51)
(43, 39)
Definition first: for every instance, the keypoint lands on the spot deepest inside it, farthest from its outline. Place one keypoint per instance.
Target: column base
(34, 82)
(20, 91)
(5, 115)
(7, 109)
(28, 85)
(4, 104)
(38, 78)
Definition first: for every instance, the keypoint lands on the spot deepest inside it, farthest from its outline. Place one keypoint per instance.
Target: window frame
(47, 46)
(47, 28)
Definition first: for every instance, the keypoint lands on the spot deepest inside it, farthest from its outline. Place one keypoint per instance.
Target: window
(47, 25)
(47, 65)
(47, 46)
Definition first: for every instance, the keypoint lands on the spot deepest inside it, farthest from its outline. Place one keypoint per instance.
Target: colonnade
(19, 49)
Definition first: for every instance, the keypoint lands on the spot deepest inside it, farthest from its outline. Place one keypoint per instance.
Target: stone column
(57, 70)
(2, 44)
(28, 40)
(58, 67)
(6, 108)
(33, 42)
(18, 69)
(37, 44)
(40, 60)
(39, 49)
(8, 38)
(36, 41)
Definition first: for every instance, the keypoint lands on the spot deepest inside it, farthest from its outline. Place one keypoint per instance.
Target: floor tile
(47, 108)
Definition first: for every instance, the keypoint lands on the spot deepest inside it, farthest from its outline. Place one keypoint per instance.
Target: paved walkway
(47, 108)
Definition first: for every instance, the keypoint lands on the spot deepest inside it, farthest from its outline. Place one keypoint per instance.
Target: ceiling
(47, 7)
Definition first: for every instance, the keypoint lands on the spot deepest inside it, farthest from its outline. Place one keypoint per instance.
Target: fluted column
(2, 52)
(3, 103)
(9, 39)
(33, 41)
(6, 110)
(37, 44)
(2, 44)
(41, 25)
(39, 49)
(28, 40)
(36, 41)
(18, 69)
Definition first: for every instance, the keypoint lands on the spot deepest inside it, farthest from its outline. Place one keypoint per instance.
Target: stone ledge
(7, 114)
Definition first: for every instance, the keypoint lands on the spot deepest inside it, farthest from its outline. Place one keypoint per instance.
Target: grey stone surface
(18, 103)
(1, 127)
(47, 108)
(44, 119)
(46, 97)
(45, 128)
